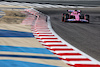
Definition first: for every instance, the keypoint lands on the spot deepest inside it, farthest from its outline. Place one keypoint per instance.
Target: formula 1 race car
(75, 16)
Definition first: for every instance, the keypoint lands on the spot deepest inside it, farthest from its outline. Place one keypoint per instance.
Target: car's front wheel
(87, 18)
(65, 17)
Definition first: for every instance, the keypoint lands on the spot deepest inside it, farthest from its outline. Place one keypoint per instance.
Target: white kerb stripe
(47, 36)
(66, 61)
(80, 62)
(83, 62)
(52, 43)
(65, 51)
(42, 29)
(59, 47)
(43, 32)
(72, 56)
(50, 40)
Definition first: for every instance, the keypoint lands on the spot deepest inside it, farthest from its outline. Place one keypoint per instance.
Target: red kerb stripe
(46, 35)
(77, 59)
(51, 41)
(60, 49)
(37, 38)
(87, 65)
(49, 38)
(68, 54)
(55, 45)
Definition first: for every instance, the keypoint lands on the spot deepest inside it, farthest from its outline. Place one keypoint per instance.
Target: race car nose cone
(77, 17)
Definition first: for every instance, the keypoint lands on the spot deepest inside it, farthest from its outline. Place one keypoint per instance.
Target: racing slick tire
(87, 18)
(82, 16)
(65, 17)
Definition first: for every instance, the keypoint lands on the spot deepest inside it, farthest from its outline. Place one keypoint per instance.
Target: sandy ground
(12, 17)
(25, 42)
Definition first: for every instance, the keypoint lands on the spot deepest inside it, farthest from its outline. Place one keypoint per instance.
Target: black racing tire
(82, 16)
(87, 18)
(62, 19)
(65, 17)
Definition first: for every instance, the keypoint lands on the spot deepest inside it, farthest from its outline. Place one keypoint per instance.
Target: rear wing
(73, 10)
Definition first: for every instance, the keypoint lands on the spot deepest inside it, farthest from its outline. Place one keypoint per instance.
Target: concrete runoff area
(81, 35)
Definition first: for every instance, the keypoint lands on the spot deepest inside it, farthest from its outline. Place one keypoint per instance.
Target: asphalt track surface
(63, 2)
(84, 36)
